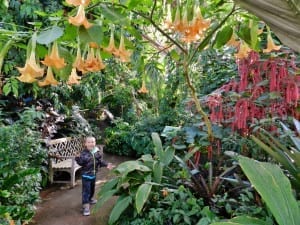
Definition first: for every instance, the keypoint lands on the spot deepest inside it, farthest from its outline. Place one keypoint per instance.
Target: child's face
(90, 143)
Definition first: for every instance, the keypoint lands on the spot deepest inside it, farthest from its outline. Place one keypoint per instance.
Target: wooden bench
(62, 154)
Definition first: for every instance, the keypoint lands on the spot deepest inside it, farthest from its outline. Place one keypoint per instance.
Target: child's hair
(88, 137)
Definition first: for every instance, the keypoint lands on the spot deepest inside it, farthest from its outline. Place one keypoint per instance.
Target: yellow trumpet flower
(111, 48)
(54, 60)
(31, 70)
(271, 45)
(80, 18)
(177, 24)
(93, 63)
(233, 41)
(78, 2)
(101, 64)
(26, 78)
(122, 52)
(168, 21)
(79, 62)
(243, 51)
(143, 89)
(49, 79)
(199, 23)
(73, 78)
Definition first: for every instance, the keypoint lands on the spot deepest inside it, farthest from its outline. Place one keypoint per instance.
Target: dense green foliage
(23, 168)
(182, 176)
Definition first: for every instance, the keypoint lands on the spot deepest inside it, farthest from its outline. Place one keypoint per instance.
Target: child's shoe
(86, 210)
(93, 201)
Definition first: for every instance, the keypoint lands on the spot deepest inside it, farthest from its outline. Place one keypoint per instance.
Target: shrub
(21, 159)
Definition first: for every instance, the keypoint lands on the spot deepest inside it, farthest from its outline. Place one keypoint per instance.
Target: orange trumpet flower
(143, 89)
(78, 2)
(271, 45)
(122, 52)
(233, 41)
(49, 79)
(243, 51)
(31, 70)
(93, 63)
(168, 21)
(26, 78)
(177, 24)
(73, 78)
(54, 60)
(80, 18)
(199, 23)
(111, 48)
(79, 62)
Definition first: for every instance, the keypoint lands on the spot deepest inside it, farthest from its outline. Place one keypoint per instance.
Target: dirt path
(61, 205)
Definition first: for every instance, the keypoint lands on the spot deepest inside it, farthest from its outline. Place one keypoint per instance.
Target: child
(90, 159)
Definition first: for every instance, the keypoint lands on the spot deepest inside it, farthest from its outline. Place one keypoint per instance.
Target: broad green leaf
(253, 34)
(223, 36)
(133, 3)
(7, 88)
(248, 220)
(4, 193)
(129, 166)
(109, 185)
(114, 15)
(93, 34)
(147, 158)
(244, 33)
(297, 125)
(170, 131)
(277, 153)
(70, 33)
(157, 172)
(242, 220)
(279, 198)
(142, 195)
(104, 197)
(50, 35)
(158, 149)
(168, 155)
(121, 204)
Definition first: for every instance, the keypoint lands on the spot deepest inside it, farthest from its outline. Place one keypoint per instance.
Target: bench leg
(51, 173)
(73, 173)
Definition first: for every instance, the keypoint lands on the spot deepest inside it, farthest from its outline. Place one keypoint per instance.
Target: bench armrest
(67, 157)
(61, 157)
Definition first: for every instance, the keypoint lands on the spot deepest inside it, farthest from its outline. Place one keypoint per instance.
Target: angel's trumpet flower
(143, 89)
(78, 2)
(271, 45)
(49, 79)
(111, 48)
(80, 18)
(73, 78)
(54, 60)
(32, 69)
(122, 52)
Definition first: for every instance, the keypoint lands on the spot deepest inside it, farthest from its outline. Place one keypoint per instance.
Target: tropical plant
(178, 206)
(135, 181)
(22, 168)
(286, 153)
(279, 199)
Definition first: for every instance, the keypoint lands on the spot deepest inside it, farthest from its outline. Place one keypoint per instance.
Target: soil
(61, 205)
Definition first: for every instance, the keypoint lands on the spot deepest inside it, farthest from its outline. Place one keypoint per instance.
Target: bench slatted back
(64, 147)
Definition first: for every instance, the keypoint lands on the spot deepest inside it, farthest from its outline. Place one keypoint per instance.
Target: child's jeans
(88, 189)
